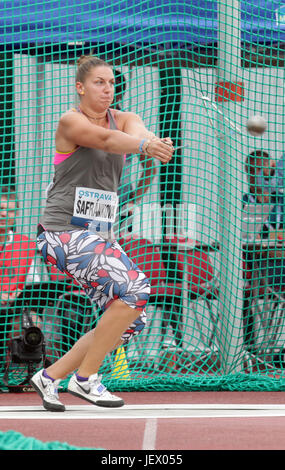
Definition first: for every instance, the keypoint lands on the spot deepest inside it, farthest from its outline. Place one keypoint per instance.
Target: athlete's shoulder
(71, 115)
(72, 112)
(123, 116)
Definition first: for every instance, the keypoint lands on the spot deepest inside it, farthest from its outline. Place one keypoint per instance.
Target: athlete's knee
(137, 293)
(135, 328)
(137, 298)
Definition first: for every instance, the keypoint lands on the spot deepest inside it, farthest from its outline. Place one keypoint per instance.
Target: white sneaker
(94, 391)
(47, 389)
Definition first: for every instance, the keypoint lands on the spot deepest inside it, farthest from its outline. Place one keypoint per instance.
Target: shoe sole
(102, 404)
(46, 405)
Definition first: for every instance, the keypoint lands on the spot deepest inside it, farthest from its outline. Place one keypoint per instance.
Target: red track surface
(209, 433)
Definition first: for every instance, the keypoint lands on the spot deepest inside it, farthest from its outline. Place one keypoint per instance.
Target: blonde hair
(86, 63)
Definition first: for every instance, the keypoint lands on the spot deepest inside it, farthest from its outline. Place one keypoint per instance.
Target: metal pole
(171, 174)
(32, 171)
(7, 120)
(230, 308)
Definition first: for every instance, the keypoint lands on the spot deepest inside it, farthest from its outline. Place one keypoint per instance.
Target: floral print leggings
(101, 268)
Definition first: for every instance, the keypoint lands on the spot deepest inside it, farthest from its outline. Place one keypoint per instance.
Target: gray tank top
(86, 167)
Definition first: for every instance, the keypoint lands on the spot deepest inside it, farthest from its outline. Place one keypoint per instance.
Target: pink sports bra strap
(60, 157)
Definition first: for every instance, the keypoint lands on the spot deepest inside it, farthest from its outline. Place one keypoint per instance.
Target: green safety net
(12, 440)
(206, 228)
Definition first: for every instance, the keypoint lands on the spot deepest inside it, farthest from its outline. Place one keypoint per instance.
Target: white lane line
(149, 438)
(202, 406)
(162, 406)
(144, 412)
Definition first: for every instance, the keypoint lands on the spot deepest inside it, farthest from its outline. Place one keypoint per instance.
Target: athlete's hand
(161, 149)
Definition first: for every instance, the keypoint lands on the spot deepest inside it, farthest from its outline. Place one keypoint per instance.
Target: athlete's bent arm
(77, 130)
